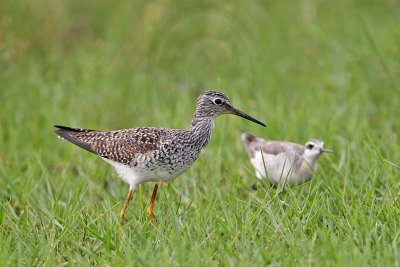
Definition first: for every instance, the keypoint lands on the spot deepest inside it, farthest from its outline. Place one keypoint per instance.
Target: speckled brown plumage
(119, 145)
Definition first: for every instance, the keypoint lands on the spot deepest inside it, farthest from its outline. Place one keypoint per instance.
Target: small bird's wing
(279, 147)
(254, 144)
(120, 145)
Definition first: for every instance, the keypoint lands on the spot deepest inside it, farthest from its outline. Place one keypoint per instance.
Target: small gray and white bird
(281, 161)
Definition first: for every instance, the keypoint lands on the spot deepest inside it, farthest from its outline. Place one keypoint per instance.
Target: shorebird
(281, 161)
(151, 154)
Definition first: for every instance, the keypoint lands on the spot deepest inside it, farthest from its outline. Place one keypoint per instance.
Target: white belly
(276, 168)
(135, 176)
(283, 168)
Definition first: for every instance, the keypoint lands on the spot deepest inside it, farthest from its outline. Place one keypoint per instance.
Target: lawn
(309, 69)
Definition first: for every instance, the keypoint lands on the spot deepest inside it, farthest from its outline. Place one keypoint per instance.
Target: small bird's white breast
(279, 167)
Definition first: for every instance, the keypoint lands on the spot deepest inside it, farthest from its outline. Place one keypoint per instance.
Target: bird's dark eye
(310, 146)
(218, 101)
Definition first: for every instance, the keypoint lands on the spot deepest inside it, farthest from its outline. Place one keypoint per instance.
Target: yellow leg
(128, 198)
(151, 204)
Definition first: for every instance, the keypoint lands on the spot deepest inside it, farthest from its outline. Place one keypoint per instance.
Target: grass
(310, 69)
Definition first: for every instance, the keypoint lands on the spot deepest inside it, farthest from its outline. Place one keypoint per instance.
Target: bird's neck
(201, 130)
(306, 165)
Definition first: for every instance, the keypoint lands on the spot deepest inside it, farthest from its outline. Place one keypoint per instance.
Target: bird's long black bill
(248, 117)
(327, 150)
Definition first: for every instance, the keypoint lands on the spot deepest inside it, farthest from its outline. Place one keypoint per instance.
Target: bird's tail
(247, 138)
(69, 134)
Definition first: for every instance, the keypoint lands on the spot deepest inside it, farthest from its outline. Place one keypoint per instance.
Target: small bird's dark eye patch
(310, 146)
(218, 101)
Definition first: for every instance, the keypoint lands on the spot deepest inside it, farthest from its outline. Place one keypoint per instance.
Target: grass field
(309, 69)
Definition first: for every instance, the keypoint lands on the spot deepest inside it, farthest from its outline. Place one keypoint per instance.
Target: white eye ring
(218, 101)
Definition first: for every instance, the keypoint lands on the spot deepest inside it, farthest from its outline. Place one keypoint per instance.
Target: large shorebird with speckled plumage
(149, 154)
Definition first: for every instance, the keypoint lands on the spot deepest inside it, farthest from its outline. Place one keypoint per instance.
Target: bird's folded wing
(273, 148)
(278, 147)
(120, 146)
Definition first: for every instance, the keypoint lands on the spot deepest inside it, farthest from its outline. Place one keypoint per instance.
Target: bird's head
(212, 104)
(314, 148)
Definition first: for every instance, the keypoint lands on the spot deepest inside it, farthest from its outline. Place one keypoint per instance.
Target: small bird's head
(212, 104)
(314, 149)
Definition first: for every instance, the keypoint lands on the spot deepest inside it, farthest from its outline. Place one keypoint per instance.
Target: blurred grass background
(309, 69)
